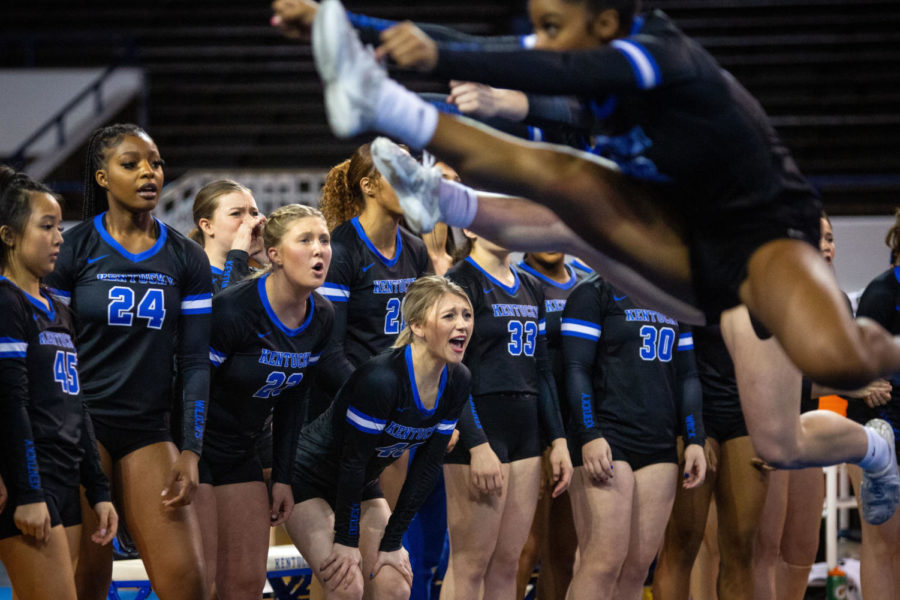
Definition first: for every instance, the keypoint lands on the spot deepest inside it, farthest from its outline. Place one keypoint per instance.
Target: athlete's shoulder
(382, 371)
(11, 297)
(323, 306)
(412, 242)
(241, 296)
(76, 236)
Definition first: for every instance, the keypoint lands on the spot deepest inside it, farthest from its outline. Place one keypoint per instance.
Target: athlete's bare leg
(800, 537)
(39, 570)
(243, 515)
(879, 560)
(93, 573)
(684, 533)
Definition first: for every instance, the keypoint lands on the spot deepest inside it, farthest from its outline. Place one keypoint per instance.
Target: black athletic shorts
(636, 460)
(119, 440)
(63, 503)
(306, 486)
(723, 419)
(222, 463)
(510, 422)
(721, 248)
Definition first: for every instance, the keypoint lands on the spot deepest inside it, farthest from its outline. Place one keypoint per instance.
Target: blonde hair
(207, 201)
(279, 222)
(419, 300)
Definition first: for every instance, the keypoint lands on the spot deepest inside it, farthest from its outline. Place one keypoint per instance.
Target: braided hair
(95, 199)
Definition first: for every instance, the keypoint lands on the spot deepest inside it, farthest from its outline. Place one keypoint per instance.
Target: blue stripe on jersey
(542, 327)
(201, 304)
(535, 134)
(13, 348)
(685, 342)
(897, 273)
(528, 41)
(314, 358)
(160, 241)
(581, 266)
(61, 295)
(216, 357)
(365, 22)
(364, 422)
(474, 413)
(264, 298)
(398, 247)
(335, 292)
(646, 71)
(573, 279)
(407, 355)
(511, 290)
(47, 309)
(215, 270)
(446, 427)
(582, 329)
(636, 25)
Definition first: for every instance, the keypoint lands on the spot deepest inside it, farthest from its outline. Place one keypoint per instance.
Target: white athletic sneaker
(417, 187)
(879, 493)
(349, 71)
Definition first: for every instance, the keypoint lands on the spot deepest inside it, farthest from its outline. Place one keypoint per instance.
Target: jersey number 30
(65, 371)
(152, 307)
(657, 344)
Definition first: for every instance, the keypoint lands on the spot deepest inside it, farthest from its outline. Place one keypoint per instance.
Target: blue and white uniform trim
(686, 342)
(61, 295)
(446, 427)
(216, 357)
(646, 71)
(335, 292)
(364, 422)
(13, 348)
(200, 304)
(581, 329)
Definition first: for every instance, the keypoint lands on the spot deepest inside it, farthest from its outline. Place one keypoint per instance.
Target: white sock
(458, 203)
(878, 453)
(402, 114)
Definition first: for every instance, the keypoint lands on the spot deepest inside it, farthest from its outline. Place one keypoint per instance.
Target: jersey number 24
(151, 308)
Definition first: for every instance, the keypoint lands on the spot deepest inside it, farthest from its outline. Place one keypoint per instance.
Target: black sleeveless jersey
(881, 303)
(375, 417)
(508, 349)
(366, 289)
(630, 371)
(135, 312)
(46, 430)
(237, 268)
(260, 366)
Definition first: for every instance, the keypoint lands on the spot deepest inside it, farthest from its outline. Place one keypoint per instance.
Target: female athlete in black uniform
(695, 205)
(270, 332)
(409, 397)
(229, 227)
(552, 541)
(493, 474)
(632, 388)
(142, 295)
(49, 445)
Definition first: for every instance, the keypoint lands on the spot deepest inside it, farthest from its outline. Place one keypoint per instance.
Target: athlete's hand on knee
(182, 482)
(398, 559)
(408, 46)
(282, 503)
(294, 17)
(107, 523)
(33, 520)
(694, 466)
(561, 463)
(485, 101)
(487, 476)
(596, 456)
(4, 495)
(340, 566)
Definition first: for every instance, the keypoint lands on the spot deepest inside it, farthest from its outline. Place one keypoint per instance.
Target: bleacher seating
(226, 91)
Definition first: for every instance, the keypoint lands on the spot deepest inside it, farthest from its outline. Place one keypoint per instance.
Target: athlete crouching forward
(45, 428)
(269, 334)
(409, 397)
